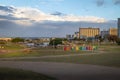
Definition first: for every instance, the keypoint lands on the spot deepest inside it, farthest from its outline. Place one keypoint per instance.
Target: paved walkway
(67, 71)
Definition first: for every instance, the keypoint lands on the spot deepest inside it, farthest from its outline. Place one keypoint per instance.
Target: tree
(112, 38)
(99, 38)
(89, 39)
(55, 42)
(118, 41)
(2, 43)
(65, 39)
(16, 40)
(75, 38)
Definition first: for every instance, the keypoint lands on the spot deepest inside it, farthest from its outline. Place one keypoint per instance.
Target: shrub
(118, 41)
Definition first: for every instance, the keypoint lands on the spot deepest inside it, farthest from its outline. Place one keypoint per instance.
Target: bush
(118, 41)
(55, 42)
(2, 43)
(16, 40)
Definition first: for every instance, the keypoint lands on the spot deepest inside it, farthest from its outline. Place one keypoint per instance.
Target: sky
(55, 18)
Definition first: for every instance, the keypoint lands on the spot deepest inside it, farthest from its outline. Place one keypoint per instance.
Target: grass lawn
(18, 74)
(109, 57)
(13, 46)
(18, 51)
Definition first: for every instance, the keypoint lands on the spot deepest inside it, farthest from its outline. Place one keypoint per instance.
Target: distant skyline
(55, 18)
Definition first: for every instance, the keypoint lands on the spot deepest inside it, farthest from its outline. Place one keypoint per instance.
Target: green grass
(110, 56)
(18, 74)
(13, 46)
(17, 51)
(37, 52)
(40, 53)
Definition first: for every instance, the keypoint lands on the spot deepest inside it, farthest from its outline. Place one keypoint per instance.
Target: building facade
(68, 36)
(88, 32)
(119, 27)
(113, 31)
(76, 35)
(104, 33)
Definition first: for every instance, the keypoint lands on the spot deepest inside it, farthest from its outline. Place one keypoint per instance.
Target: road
(67, 71)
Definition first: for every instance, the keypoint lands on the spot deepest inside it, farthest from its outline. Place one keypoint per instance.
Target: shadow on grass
(18, 74)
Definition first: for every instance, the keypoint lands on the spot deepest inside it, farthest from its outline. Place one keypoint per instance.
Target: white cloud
(3, 13)
(23, 22)
(84, 18)
(29, 13)
(37, 23)
(39, 16)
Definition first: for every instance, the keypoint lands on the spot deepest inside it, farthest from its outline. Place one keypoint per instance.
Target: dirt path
(67, 71)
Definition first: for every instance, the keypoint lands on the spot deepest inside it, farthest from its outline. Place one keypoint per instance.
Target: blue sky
(102, 8)
(55, 17)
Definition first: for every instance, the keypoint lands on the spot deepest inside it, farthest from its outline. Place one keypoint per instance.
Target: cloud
(39, 16)
(29, 22)
(7, 8)
(58, 13)
(48, 28)
(100, 2)
(116, 2)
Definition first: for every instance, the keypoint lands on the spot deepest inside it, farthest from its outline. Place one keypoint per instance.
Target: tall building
(76, 35)
(88, 32)
(68, 36)
(104, 33)
(113, 31)
(119, 27)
